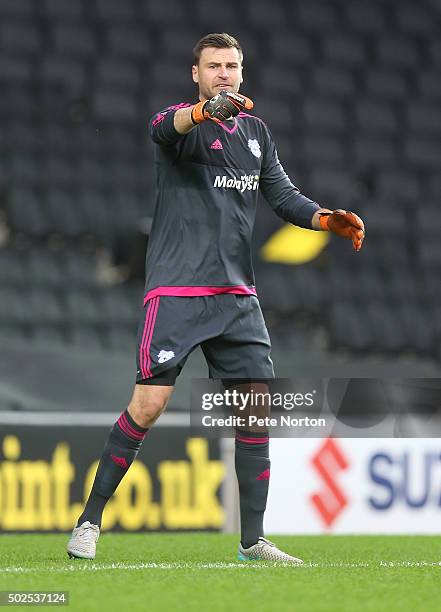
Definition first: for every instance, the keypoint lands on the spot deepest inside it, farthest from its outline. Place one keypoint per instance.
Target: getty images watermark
(339, 407)
(219, 407)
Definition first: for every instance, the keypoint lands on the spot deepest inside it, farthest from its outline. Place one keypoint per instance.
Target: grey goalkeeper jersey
(207, 184)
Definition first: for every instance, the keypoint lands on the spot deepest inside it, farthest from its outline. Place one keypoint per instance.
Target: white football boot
(265, 550)
(82, 543)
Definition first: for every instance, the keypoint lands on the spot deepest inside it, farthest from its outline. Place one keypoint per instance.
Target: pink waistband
(198, 291)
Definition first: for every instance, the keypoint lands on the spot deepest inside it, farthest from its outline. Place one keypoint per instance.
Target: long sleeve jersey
(207, 184)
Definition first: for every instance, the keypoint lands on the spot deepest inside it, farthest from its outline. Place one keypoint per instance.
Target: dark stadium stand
(357, 118)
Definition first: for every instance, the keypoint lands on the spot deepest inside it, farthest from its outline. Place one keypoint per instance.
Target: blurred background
(351, 91)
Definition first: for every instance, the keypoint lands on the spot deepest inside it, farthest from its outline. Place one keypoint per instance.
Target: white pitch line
(82, 566)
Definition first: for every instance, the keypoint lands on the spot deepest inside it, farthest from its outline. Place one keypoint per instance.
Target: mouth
(222, 85)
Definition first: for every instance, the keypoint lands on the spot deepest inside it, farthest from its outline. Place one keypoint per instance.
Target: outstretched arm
(292, 206)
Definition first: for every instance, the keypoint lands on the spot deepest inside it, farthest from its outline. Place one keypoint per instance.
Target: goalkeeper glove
(223, 106)
(344, 223)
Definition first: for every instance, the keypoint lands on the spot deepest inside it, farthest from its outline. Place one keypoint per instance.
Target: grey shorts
(229, 328)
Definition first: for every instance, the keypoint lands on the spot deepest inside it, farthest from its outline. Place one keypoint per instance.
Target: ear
(195, 74)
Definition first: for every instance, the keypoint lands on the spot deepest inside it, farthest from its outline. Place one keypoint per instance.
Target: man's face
(218, 69)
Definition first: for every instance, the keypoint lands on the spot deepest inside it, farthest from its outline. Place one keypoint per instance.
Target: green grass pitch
(200, 572)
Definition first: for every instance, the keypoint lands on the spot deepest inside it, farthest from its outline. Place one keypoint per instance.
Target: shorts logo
(165, 356)
(245, 182)
(254, 147)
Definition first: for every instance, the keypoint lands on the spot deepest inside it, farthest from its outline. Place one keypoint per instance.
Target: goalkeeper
(211, 159)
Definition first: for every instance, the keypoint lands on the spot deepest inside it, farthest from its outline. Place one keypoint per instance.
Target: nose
(223, 72)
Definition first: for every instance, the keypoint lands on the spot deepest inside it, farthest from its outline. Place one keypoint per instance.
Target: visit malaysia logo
(244, 183)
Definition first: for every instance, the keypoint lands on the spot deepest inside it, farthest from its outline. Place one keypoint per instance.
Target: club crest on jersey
(244, 183)
(254, 147)
(164, 356)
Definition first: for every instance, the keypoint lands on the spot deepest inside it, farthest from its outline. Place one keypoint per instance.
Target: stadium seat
(128, 41)
(429, 253)
(85, 336)
(116, 11)
(74, 40)
(385, 327)
(433, 186)
(347, 328)
(334, 187)
(331, 81)
(14, 336)
(389, 220)
(365, 18)
(63, 213)
(343, 50)
(168, 73)
(273, 80)
(15, 69)
(394, 186)
(424, 119)
(56, 138)
(43, 269)
(386, 84)
(324, 114)
(79, 269)
(12, 268)
(397, 52)
(81, 306)
(377, 152)
(23, 9)
(422, 153)
(290, 48)
(14, 307)
(26, 214)
(415, 20)
(119, 106)
(226, 19)
(91, 172)
(117, 74)
(429, 84)
(324, 151)
(48, 336)
(258, 15)
(59, 171)
(271, 283)
(277, 113)
(321, 16)
(435, 51)
(419, 330)
(18, 38)
(69, 72)
(64, 10)
(164, 13)
(117, 308)
(44, 306)
(20, 137)
(375, 117)
(120, 338)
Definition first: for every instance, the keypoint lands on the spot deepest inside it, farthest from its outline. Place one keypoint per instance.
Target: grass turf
(193, 572)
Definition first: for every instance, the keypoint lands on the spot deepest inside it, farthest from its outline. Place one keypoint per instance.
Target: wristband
(323, 220)
(197, 113)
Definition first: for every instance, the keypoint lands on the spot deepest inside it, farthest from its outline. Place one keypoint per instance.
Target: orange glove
(223, 106)
(344, 223)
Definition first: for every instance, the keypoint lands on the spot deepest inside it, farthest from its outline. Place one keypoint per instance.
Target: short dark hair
(219, 41)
